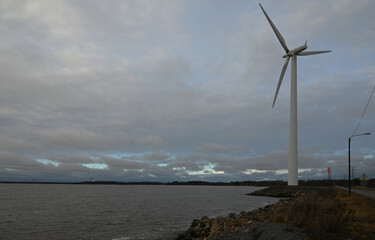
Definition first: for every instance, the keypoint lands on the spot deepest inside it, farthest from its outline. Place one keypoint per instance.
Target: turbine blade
(278, 34)
(307, 53)
(280, 79)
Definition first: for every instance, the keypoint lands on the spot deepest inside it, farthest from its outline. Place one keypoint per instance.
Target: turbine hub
(295, 51)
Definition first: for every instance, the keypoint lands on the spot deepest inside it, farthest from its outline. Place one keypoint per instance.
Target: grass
(320, 211)
(362, 222)
(332, 211)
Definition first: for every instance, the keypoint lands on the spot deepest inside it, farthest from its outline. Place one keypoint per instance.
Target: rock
(280, 191)
(205, 219)
(205, 222)
(199, 229)
(243, 213)
(194, 223)
(232, 216)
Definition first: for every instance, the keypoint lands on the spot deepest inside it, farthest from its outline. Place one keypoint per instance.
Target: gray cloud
(169, 91)
(156, 156)
(218, 148)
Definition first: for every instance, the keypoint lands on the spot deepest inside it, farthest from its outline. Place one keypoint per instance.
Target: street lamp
(349, 155)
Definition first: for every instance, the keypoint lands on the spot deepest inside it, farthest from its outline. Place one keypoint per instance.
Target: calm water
(41, 211)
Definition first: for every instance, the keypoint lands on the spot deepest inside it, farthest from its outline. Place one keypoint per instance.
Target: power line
(364, 110)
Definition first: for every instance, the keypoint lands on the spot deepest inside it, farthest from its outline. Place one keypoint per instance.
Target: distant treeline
(326, 182)
(335, 182)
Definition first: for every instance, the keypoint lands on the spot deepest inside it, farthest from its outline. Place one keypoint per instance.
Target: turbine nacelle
(295, 51)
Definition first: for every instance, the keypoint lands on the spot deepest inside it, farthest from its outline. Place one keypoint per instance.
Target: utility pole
(349, 140)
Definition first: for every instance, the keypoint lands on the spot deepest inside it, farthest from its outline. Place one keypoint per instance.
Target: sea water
(122, 212)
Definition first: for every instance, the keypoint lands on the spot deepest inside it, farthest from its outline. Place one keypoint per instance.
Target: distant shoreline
(371, 183)
(194, 183)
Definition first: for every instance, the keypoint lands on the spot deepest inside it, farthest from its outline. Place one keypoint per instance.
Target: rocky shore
(303, 213)
(282, 191)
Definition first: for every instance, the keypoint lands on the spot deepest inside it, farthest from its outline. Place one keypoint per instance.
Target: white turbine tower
(293, 142)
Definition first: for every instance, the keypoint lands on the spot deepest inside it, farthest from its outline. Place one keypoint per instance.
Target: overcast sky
(164, 90)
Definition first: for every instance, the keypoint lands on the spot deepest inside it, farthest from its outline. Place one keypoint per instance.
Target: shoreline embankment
(301, 213)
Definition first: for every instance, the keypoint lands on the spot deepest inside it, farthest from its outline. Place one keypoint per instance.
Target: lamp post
(349, 140)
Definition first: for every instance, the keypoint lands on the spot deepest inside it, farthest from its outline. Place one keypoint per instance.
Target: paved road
(366, 193)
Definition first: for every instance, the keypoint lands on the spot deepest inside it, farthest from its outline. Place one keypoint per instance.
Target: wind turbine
(293, 142)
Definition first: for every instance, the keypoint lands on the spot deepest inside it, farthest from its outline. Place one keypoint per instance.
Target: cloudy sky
(162, 90)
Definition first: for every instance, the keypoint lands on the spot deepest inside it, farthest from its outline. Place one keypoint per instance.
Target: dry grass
(320, 211)
(362, 221)
(332, 211)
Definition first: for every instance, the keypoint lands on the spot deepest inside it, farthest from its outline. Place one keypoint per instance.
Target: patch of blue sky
(282, 171)
(250, 171)
(368, 156)
(94, 157)
(125, 155)
(48, 162)
(179, 168)
(336, 153)
(331, 161)
(207, 169)
(340, 152)
(162, 164)
(209, 166)
(204, 172)
(100, 166)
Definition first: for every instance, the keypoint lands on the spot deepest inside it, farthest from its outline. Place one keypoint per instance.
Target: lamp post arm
(356, 135)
